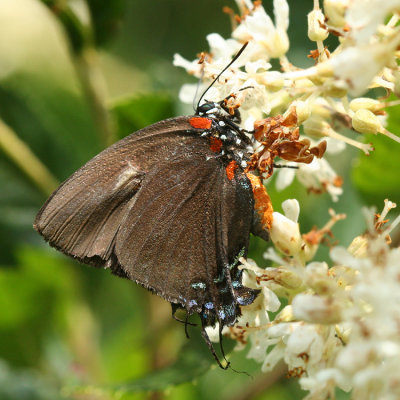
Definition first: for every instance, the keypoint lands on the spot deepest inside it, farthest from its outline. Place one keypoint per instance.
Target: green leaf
(62, 143)
(32, 297)
(377, 176)
(136, 112)
(193, 361)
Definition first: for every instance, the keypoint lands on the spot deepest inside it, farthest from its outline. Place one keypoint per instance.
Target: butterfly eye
(206, 107)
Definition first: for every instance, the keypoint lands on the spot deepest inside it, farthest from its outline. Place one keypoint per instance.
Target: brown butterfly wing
(184, 230)
(83, 215)
(157, 207)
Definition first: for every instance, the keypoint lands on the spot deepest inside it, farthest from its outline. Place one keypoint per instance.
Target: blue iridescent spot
(221, 314)
(242, 301)
(198, 285)
(209, 305)
(236, 284)
(192, 303)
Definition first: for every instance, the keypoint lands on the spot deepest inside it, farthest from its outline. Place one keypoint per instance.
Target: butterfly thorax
(227, 140)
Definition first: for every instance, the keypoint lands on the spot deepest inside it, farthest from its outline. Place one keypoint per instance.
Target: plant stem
(19, 152)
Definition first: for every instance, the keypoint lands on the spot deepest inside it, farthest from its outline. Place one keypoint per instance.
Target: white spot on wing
(126, 175)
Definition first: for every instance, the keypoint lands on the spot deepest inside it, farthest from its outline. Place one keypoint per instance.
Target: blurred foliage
(78, 33)
(376, 176)
(74, 75)
(134, 113)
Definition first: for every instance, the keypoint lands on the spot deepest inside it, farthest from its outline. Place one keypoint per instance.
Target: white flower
(318, 176)
(365, 16)
(321, 103)
(269, 40)
(341, 327)
(304, 347)
(222, 50)
(316, 309)
(369, 58)
(316, 26)
(285, 232)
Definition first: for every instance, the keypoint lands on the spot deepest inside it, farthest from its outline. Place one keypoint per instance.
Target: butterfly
(170, 207)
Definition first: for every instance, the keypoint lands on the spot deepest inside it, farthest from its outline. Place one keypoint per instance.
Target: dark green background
(67, 330)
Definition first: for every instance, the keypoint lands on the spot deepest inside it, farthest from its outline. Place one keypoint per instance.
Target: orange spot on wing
(230, 169)
(200, 122)
(215, 144)
(262, 201)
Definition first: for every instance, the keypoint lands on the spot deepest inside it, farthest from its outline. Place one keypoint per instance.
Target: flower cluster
(320, 96)
(341, 325)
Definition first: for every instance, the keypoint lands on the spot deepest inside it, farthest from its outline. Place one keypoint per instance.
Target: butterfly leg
(211, 348)
(175, 308)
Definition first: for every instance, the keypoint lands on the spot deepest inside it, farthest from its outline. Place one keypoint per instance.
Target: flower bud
(320, 109)
(291, 208)
(359, 246)
(309, 251)
(335, 11)
(315, 126)
(279, 45)
(285, 234)
(316, 26)
(282, 277)
(272, 80)
(366, 103)
(286, 315)
(303, 83)
(335, 89)
(365, 121)
(303, 111)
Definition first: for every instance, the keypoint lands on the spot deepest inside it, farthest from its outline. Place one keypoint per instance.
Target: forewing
(84, 214)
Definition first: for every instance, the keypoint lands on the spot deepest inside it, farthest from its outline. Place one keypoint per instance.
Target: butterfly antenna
(185, 321)
(218, 76)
